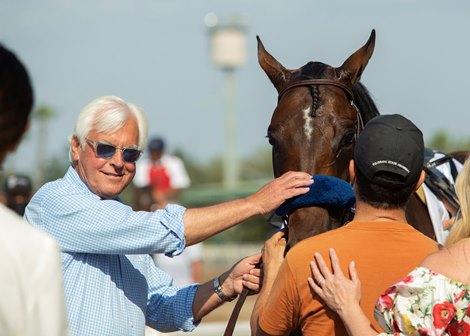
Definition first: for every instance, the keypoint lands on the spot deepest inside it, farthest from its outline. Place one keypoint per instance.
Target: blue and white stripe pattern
(112, 286)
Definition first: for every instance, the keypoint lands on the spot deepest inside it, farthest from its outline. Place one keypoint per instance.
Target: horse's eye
(348, 138)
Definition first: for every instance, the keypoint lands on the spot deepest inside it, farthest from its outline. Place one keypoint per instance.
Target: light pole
(228, 51)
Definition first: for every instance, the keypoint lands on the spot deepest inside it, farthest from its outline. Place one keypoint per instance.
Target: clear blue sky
(156, 54)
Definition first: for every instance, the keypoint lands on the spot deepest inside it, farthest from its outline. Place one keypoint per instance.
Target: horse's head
(315, 124)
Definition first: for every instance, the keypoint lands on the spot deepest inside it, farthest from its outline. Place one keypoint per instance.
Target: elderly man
(112, 285)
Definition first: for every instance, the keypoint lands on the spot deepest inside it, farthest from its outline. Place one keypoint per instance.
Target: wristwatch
(220, 294)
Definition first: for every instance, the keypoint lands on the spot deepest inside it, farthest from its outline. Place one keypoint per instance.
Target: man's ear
(75, 148)
(352, 172)
(421, 180)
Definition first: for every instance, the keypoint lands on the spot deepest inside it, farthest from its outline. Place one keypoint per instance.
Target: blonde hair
(461, 229)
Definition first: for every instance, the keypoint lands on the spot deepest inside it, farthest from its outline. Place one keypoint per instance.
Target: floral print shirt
(424, 303)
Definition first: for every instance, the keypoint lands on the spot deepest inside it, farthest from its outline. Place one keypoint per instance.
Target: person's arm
(202, 223)
(273, 256)
(242, 274)
(341, 294)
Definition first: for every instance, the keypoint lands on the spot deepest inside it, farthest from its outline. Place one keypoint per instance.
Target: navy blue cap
(156, 145)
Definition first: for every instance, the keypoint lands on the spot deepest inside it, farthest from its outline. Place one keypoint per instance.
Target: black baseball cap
(18, 185)
(156, 145)
(390, 144)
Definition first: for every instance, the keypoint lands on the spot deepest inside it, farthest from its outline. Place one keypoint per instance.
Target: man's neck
(367, 213)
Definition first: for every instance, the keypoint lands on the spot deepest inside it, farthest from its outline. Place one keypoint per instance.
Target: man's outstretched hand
(273, 194)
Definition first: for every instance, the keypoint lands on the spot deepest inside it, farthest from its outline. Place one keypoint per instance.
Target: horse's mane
(364, 102)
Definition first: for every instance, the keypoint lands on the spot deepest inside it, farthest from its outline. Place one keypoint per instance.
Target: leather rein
(359, 126)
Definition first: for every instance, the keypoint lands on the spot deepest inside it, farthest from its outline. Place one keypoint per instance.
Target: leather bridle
(319, 81)
(308, 82)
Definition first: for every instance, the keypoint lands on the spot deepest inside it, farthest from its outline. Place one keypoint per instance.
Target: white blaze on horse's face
(308, 128)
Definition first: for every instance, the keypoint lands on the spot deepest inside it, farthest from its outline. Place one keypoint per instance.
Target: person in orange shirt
(386, 170)
(433, 299)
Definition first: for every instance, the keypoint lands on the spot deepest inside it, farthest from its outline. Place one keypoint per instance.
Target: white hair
(108, 114)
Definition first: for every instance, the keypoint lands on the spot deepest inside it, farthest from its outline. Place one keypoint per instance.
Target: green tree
(201, 172)
(56, 165)
(257, 166)
(443, 142)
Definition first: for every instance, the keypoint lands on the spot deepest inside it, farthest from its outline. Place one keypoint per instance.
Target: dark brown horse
(321, 110)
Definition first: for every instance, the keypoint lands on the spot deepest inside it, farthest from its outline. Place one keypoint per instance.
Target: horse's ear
(352, 68)
(275, 71)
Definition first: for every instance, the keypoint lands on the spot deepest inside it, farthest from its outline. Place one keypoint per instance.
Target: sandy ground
(215, 323)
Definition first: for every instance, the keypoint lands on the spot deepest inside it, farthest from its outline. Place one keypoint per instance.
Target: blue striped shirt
(112, 286)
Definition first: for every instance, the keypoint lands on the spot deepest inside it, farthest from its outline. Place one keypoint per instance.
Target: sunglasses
(107, 151)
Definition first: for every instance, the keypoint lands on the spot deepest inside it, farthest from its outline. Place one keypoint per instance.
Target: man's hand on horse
(273, 194)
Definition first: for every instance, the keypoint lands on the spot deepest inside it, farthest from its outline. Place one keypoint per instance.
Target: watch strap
(220, 293)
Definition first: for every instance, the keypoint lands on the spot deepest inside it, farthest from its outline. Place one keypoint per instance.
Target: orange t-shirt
(383, 252)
